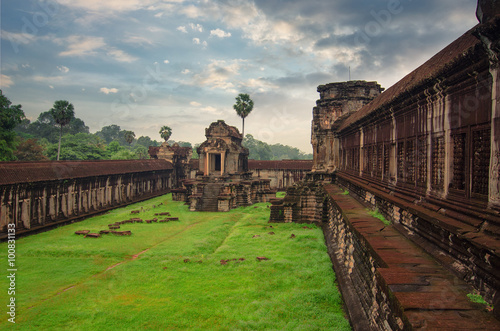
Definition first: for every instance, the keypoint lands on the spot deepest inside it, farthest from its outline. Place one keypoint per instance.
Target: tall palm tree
(243, 107)
(165, 132)
(62, 112)
(129, 136)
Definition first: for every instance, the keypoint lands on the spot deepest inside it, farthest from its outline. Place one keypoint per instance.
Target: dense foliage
(10, 117)
(260, 150)
(23, 140)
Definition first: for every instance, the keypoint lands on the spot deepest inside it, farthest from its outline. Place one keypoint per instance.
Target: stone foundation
(211, 195)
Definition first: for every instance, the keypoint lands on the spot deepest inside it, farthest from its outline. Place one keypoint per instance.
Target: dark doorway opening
(217, 162)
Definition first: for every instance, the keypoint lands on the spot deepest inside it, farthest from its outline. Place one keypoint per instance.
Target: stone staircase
(209, 198)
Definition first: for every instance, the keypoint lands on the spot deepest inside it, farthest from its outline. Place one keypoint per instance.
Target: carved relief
(459, 152)
(438, 154)
(481, 144)
(410, 161)
(422, 162)
(401, 160)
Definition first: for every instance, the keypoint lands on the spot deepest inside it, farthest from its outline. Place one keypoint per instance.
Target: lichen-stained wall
(35, 194)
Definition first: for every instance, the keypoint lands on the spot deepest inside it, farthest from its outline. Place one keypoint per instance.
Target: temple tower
(337, 102)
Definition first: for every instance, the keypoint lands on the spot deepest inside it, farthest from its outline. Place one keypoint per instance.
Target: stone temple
(405, 184)
(223, 181)
(423, 155)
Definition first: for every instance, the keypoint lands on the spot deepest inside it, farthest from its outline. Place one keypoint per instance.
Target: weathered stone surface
(394, 284)
(92, 235)
(40, 194)
(487, 9)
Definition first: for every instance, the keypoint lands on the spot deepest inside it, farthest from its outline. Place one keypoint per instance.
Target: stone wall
(461, 239)
(34, 195)
(370, 303)
(282, 174)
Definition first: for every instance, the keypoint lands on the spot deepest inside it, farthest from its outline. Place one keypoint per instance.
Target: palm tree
(165, 132)
(62, 112)
(129, 136)
(243, 107)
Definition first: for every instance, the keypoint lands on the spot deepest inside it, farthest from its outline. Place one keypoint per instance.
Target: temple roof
(221, 128)
(428, 71)
(22, 172)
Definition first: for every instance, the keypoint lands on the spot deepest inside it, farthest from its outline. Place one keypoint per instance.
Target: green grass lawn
(169, 276)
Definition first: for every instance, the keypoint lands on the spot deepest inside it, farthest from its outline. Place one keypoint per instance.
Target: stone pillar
(494, 185)
(207, 162)
(222, 163)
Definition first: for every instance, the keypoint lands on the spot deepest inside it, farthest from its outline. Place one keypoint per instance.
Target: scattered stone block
(173, 218)
(136, 219)
(92, 235)
(187, 260)
(292, 236)
(105, 232)
(271, 233)
(123, 233)
(262, 258)
(135, 211)
(82, 232)
(113, 227)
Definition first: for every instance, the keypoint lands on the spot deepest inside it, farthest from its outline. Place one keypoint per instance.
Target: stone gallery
(424, 157)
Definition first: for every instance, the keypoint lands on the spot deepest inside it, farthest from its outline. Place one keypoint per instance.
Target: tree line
(59, 134)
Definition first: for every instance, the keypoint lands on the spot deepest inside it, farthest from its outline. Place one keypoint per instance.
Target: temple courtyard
(166, 268)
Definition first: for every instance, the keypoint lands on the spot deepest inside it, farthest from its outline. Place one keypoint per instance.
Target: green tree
(147, 141)
(82, 146)
(109, 133)
(45, 127)
(258, 150)
(243, 107)
(114, 147)
(123, 154)
(62, 112)
(30, 150)
(10, 117)
(129, 136)
(165, 132)
(141, 152)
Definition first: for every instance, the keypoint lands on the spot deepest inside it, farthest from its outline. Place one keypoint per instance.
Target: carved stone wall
(426, 153)
(38, 194)
(337, 101)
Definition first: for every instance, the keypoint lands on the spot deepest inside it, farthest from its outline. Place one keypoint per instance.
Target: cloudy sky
(143, 64)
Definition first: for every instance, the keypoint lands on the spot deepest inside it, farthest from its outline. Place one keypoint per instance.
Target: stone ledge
(405, 279)
(468, 251)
